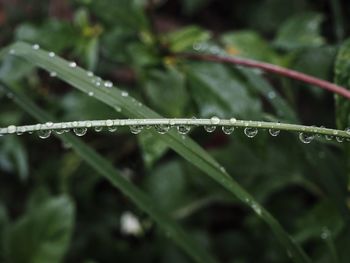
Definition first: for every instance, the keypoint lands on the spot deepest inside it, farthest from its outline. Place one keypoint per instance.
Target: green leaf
(185, 38)
(43, 234)
(166, 91)
(91, 53)
(187, 148)
(107, 170)
(282, 108)
(300, 31)
(167, 185)
(218, 91)
(248, 44)
(152, 148)
(128, 14)
(49, 35)
(16, 155)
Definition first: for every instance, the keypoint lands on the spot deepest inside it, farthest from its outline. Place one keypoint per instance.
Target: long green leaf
(106, 169)
(187, 148)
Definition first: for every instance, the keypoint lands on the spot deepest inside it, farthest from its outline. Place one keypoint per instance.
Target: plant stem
(323, 84)
(176, 122)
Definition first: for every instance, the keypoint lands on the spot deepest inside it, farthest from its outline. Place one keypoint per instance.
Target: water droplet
(90, 74)
(112, 128)
(75, 124)
(251, 132)
(222, 169)
(228, 129)
(98, 128)
(210, 128)
(335, 132)
(328, 137)
(11, 129)
(52, 54)
(44, 134)
(271, 95)
(91, 93)
(325, 233)
(80, 131)
(136, 129)
(53, 74)
(215, 120)
(162, 129)
(108, 84)
(233, 120)
(306, 138)
(124, 94)
(347, 130)
(12, 52)
(256, 208)
(183, 129)
(20, 130)
(274, 132)
(197, 46)
(60, 131)
(339, 139)
(72, 64)
(109, 123)
(35, 46)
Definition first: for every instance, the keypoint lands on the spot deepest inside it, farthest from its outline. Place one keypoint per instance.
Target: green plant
(157, 134)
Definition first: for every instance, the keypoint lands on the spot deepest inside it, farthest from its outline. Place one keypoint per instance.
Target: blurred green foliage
(54, 208)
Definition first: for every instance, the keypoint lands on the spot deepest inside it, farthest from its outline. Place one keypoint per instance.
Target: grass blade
(184, 146)
(106, 169)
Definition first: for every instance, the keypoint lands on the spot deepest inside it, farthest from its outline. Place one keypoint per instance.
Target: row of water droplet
(80, 129)
(97, 81)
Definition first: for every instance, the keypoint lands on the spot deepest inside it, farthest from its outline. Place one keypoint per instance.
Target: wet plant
(129, 113)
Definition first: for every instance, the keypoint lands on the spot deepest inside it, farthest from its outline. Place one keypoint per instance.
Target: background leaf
(43, 234)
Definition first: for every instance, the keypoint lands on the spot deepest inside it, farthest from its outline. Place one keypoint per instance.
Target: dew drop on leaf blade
(11, 129)
(215, 120)
(183, 129)
(162, 128)
(274, 132)
(135, 129)
(112, 128)
(228, 129)
(98, 128)
(339, 139)
(306, 138)
(209, 129)
(80, 131)
(250, 132)
(44, 134)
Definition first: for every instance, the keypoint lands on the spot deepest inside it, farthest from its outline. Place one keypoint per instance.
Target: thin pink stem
(273, 69)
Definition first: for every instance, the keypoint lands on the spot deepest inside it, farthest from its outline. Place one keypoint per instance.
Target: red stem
(273, 69)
